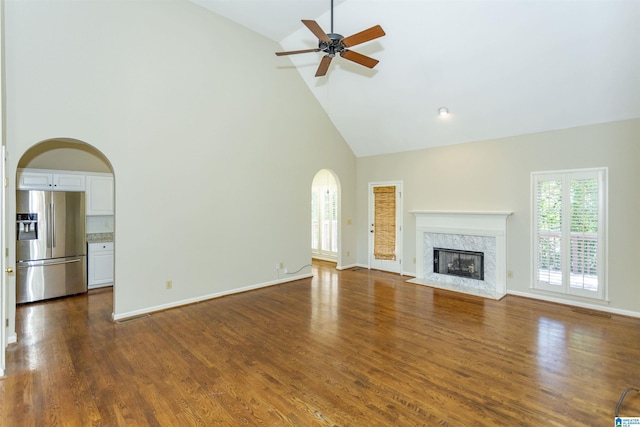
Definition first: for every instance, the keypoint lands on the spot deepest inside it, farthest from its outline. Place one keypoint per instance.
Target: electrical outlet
(281, 265)
(169, 284)
(277, 266)
(509, 274)
(286, 271)
(414, 260)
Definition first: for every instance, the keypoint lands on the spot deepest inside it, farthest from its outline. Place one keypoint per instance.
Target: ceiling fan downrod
(332, 16)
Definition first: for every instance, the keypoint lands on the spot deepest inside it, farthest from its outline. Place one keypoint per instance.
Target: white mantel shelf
(462, 222)
(499, 213)
(482, 225)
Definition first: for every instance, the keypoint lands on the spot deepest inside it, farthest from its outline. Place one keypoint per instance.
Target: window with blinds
(569, 220)
(549, 231)
(324, 216)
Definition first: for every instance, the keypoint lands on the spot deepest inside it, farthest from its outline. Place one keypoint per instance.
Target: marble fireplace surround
(481, 231)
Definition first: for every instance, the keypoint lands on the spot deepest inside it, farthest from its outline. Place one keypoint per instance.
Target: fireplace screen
(458, 263)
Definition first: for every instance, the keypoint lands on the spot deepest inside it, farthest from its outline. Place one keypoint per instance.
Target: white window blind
(334, 220)
(315, 219)
(324, 216)
(569, 220)
(549, 231)
(584, 234)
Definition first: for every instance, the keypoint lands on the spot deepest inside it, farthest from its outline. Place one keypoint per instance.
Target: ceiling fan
(332, 43)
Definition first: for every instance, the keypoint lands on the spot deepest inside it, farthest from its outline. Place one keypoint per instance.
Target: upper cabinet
(98, 186)
(68, 182)
(48, 180)
(99, 197)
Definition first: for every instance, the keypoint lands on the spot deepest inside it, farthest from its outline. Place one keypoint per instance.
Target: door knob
(9, 270)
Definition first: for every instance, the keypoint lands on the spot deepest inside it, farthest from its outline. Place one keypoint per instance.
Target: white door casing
(3, 261)
(3, 266)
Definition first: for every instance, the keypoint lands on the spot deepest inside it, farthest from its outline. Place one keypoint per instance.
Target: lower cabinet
(100, 264)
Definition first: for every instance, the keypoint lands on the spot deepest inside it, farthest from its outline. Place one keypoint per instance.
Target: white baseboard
(175, 304)
(581, 304)
(346, 267)
(356, 265)
(13, 337)
(322, 258)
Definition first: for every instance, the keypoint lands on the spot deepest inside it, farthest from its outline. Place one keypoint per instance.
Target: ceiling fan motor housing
(334, 47)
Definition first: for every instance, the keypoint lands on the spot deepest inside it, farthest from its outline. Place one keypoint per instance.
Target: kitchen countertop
(99, 237)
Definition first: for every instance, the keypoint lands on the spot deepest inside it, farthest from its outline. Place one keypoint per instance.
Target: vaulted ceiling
(502, 67)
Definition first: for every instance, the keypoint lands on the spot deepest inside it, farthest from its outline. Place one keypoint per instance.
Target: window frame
(566, 176)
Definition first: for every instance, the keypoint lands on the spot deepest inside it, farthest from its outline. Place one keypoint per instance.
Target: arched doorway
(71, 166)
(325, 207)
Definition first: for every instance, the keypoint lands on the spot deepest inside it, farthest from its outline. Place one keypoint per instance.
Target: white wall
(495, 175)
(213, 141)
(63, 155)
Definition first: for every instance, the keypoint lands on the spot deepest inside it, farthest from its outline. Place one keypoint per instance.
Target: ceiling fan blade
(363, 36)
(316, 30)
(324, 66)
(294, 52)
(359, 58)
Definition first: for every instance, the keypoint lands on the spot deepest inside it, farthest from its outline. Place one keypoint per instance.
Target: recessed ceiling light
(443, 111)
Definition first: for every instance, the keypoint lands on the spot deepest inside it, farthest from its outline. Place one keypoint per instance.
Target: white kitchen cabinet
(99, 198)
(100, 264)
(34, 180)
(50, 180)
(68, 182)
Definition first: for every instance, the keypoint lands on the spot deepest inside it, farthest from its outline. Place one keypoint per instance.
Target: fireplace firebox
(459, 263)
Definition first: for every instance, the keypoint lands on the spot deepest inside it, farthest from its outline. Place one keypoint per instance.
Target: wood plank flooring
(349, 348)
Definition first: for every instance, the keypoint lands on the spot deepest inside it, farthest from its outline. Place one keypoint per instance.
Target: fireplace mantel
(478, 220)
(463, 226)
(498, 213)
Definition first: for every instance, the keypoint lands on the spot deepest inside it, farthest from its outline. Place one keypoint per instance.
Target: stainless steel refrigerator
(50, 245)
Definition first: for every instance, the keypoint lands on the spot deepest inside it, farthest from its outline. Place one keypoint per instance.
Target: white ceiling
(503, 68)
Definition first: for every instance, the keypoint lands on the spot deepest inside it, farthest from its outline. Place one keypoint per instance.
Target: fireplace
(480, 268)
(458, 263)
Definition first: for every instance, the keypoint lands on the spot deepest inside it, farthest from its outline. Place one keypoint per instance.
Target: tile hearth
(469, 290)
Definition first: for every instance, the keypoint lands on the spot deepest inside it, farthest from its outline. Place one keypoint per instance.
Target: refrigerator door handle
(48, 222)
(29, 264)
(53, 225)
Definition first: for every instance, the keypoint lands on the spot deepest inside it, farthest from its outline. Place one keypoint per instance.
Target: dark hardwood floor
(350, 348)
